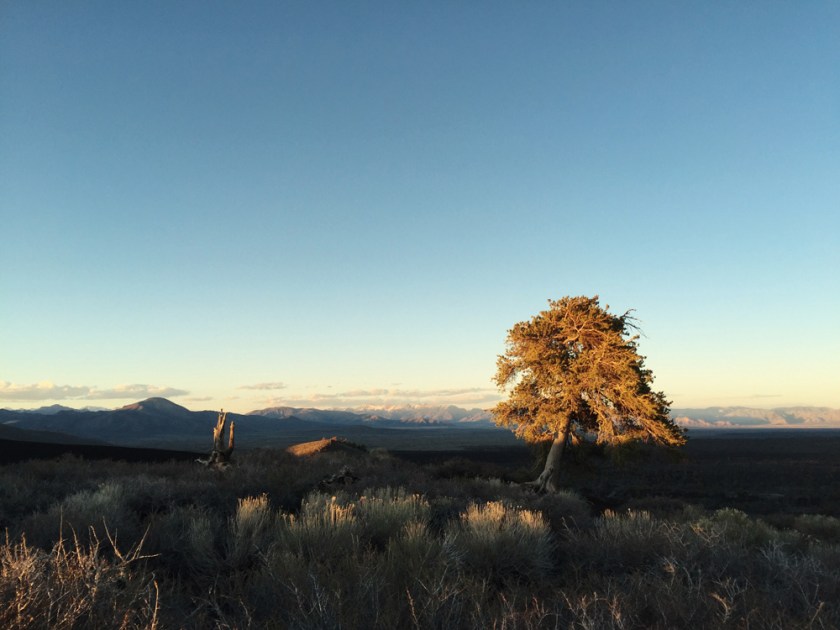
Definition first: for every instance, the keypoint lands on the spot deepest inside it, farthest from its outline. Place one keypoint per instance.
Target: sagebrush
(177, 546)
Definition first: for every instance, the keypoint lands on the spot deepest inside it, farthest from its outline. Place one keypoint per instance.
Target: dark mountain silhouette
(158, 407)
(128, 425)
(51, 409)
(153, 422)
(160, 423)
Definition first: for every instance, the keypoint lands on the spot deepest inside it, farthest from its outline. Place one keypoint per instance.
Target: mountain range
(160, 423)
(750, 417)
(406, 416)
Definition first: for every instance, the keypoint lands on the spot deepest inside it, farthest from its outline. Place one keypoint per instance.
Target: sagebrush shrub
(826, 528)
(621, 543)
(251, 531)
(503, 542)
(735, 527)
(325, 524)
(74, 586)
(563, 510)
(103, 508)
(187, 540)
(383, 513)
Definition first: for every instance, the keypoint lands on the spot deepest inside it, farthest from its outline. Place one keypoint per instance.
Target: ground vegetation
(408, 544)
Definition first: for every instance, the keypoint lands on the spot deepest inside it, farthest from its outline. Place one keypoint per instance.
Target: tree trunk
(549, 479)
(220, 457)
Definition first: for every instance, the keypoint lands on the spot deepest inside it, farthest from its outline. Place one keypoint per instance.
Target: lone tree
(573, 372)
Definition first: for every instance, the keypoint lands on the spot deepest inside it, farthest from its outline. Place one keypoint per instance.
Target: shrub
(74, 586)
(826, 528)
(503, 542)
(102, 508)
(621, 543)
(250, 531)
(324, 523)
(734, 527)
(563, 510)
(384, 513)
(187, 540)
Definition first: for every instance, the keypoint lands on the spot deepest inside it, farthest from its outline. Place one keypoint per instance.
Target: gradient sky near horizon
(336, 204)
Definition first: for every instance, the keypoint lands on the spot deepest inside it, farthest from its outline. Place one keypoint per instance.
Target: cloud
(136, 391)
(46, 390)
(264, 386)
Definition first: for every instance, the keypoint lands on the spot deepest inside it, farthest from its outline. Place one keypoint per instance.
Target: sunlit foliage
(576, 367)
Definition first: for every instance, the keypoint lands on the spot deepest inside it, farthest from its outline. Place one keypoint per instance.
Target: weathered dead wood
(343, 477)
(220, 457)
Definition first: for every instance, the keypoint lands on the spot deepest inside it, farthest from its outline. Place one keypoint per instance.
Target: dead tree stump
(220, 457)
(344, 477)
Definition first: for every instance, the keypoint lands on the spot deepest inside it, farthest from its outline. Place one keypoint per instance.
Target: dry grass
(255, 547)
(74, 586)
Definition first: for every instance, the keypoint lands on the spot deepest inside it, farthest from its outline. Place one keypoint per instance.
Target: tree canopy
(575, 370)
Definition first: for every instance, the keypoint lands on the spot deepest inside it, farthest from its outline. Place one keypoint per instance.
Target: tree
(574, 372)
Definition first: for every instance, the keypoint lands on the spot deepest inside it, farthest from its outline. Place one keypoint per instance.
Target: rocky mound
(326, 445)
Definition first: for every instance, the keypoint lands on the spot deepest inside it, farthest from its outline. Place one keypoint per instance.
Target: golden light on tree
(574, 371)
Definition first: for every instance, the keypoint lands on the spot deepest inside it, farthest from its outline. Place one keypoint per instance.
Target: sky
(339, 204)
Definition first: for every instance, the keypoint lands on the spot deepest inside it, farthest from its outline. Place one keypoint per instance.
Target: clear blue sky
(335, 204)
